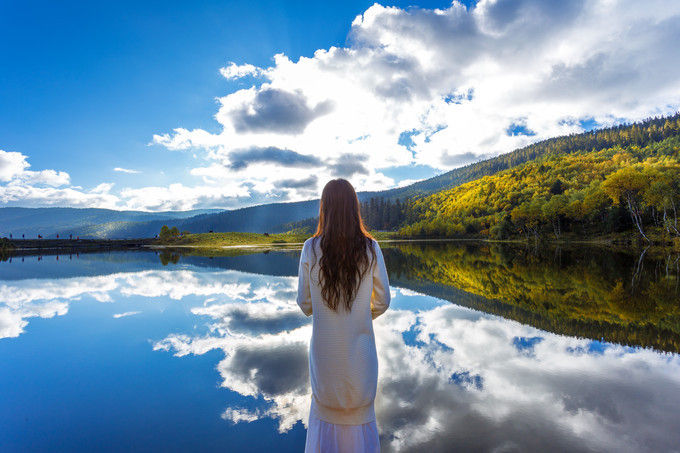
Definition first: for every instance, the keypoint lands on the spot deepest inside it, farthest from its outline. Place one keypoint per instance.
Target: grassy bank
(234, 239)
(658, 239)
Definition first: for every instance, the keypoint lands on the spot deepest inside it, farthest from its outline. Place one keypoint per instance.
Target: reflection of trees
(6, 248)
(638, 267)
(572, 291)
(167, 257)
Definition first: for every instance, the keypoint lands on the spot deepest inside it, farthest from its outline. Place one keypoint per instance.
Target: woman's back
(343, 284)
(343, 358)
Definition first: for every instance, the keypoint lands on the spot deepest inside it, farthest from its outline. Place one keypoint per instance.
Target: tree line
(168, 234)
(632, 184)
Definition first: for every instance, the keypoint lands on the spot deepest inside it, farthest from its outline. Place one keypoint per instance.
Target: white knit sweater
(343, 362)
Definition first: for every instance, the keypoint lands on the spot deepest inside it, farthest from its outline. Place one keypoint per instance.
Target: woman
(342, 283)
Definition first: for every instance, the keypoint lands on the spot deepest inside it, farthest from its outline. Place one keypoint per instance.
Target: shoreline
(26, 247)
(56, 246)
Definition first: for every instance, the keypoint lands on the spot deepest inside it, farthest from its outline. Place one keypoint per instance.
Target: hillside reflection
(632, 299)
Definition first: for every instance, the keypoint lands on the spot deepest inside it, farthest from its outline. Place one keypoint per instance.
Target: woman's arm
(380, 297)
(304, 296)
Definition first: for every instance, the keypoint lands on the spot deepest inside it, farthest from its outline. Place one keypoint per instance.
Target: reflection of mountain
(448, 376)
(582, 292)
(587, 293)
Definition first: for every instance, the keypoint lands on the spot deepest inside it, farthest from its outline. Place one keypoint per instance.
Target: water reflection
(628, 298)
(451, 376)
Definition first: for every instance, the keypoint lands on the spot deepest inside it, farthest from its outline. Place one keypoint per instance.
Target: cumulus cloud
(347, 165)
(309, 182)
(465, 83)
(14, 171)
(274, 110)
(461, 80)
(11, 165)
(24, 187)
(178, 197)
(235, 71)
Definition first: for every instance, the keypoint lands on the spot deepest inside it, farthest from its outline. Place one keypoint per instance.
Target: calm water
(484, 349)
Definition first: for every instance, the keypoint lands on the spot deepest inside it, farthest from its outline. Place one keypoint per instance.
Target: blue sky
(88, 85)
(87, 88)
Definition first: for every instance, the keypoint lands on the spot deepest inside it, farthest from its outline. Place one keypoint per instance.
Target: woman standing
(342, 283)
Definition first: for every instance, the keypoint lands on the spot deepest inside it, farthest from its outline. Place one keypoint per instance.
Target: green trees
(587, 192)
(381, 214)
(663, 194)
(527, 217)
(503, 229)
(168, 234)
(627, 186)
(553, 210)
(164, 234)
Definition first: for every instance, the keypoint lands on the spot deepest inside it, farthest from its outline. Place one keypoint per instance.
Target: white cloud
(126, 314)
(11, 165)
(126, 170)
(179, 197)
(46, 187)
(14, 171)
(240, 415)
(457, 79)
(234, 71)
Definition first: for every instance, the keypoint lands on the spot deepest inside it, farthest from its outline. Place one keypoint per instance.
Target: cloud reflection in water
(449, 376)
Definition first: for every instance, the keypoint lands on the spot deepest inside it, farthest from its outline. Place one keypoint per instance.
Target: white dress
(324, 437)
(343, 361)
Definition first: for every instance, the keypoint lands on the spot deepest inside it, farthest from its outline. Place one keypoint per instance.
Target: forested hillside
(600, 182)
(639, 134)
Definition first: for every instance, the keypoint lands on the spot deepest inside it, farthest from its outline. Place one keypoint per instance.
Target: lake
(486, 347)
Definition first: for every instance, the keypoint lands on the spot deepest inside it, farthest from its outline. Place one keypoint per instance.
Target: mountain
(624, 179)
(65, 221)
(277, 217)
(259, 219)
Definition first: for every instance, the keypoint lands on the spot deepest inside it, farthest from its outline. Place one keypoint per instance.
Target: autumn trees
(587, 192)
(627, 185)
(623, 178)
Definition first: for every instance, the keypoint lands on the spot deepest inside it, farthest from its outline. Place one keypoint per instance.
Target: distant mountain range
(274, 217)
(49, 222)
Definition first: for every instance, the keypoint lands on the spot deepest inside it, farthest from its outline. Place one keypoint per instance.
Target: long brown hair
(343, 239)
